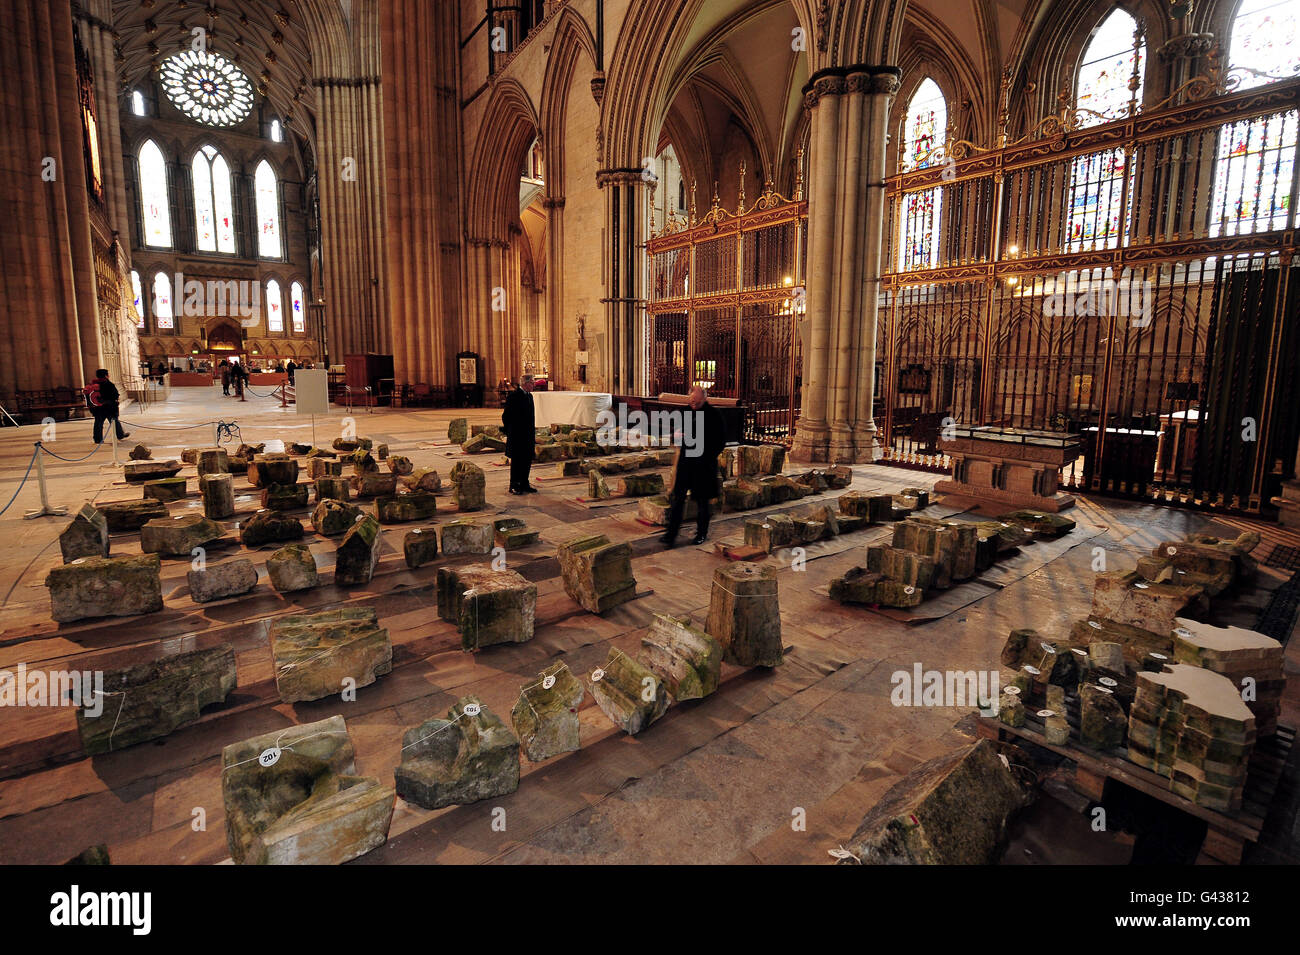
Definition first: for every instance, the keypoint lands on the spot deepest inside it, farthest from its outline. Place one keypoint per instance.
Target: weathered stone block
(352, 444)
(363, 462)
(422, 479)
(292, 568)
(267, 527)
(332, 489)
(951, 810)
(1127, 599)
(105, 587)
(212, 461)
(1102, 723)
(458, 430)
(218, 493)
(268, 469)
(745, 615)
(358, 553)
(770, 532)
(511, 533)
(468, 483)
(420, 546)
(597, 488)
(654, 510)
(860, 585)
(482, 443)
(320, 654)
(284, 497)
(628, 693)
(178, 536)
(374, 484)
(1040, 524)
(137, 472)
(318, 468)
(685, 658)
(641, 485)
(465, 535)
(459, 760)
(229, 578)
(306, 808)
(597, 574)
(901, 565)
(124, 516)
(401, 508)
(85, 536)
(150, 700)
(165, 489)
(400, 465)
(488, 606)
(332, 517)
(545, 716)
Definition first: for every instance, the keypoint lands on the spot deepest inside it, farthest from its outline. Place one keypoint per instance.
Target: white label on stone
(1104, 689)
(1172, 551)
(1159, 656)
(269, 757)
(1183, 632)
(1140, 586)
(1094, 624)
(360, 518)
(1044, 714)
(548, 683)
(1012, 690)
(909, 589)
(472, 709)
(1032, 671)
(1048, 648)
(1107, 681)
(597, 675)
(416, 531)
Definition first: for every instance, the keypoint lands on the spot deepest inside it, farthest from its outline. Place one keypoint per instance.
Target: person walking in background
(519, 423)
(290, 368)
(225, 377)
(697, 468)
(102, 398)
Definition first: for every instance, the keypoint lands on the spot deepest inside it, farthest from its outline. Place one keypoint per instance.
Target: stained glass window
(1265, 38)
(295, 298)
(923, 140)
(139, 298)
(1109, 64)
(268, 211)
(207, 87)
(274, 312)
(162, 301)
(214, 226)
(1253, 168)
(927, 125)
(1097, 216)
(153, 197)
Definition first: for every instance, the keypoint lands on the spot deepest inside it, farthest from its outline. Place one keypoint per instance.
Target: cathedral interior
(994, 313)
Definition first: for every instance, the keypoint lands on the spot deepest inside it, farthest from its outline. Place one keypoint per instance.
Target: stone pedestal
(745, 616)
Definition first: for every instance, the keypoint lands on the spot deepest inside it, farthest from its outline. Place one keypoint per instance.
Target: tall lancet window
(162, 301)
(139, 298)
(923, 140)
(274, 307)
(295, 299)
(214, 225)
(1109, 85)
(1253, 168)
(268, 211)
(154, 209)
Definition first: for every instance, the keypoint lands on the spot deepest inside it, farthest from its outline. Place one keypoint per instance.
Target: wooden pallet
(1227, 833)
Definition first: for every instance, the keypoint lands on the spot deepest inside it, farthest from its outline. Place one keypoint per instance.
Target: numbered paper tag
(909, 590)
(597, 675)
(1044, 714)
(1048, 648)
(1012, 691)
(1172, 551)
(1183, 632)
(269, 757)
(548, 683)
(1032, 671)
(1094, 624)
(1141, 586)
(472, 709)
(1107, 681)
(841, 854)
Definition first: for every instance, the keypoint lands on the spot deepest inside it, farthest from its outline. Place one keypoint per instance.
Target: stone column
(624, 236)
(846, 211)
(553, 311)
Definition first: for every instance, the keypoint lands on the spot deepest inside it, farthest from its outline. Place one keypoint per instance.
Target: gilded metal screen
(1132, 282)
(726, 299)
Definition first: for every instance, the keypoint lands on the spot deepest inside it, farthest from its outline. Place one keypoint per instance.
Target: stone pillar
(846, 210)
(624, 235)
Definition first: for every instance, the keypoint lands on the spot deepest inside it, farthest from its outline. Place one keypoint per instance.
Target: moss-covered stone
(420, 546)
(267, 527)
(166, 489)
(402, 508)
(321, 654)
(488, 606)
(545, 716)
(459, 760)
(358, 553)
(178, 536)
(284, 497)
(292, 568)
(85, 536)
(596, 573)
(685, 658)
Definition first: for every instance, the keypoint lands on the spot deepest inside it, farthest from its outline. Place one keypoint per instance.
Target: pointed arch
(155, 204)
(1110, 75)
(214, 220)
(266, 188)
(508, 128)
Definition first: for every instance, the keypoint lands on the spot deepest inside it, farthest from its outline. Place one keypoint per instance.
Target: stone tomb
(314, 653)
(469, 756)
(292, 797)
(1009, 466)
(487, 606)
(545, 716)
(150, 699)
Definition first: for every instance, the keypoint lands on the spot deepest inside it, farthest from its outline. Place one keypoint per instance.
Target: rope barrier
(23, 482)
(70, 460)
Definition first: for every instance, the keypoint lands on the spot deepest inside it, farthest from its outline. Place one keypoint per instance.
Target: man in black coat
(102, 397)
(704, 437)
(519, 424)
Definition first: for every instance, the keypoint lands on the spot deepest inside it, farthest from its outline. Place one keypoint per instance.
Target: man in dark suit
(102, 397)
(697, 467)
(519, 424)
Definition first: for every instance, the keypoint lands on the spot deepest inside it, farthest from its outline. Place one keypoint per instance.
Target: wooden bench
(61, 404)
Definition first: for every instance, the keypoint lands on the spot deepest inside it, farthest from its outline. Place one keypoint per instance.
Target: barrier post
(45, 510)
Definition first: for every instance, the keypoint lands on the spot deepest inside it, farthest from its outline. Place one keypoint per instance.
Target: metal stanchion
(44, 510)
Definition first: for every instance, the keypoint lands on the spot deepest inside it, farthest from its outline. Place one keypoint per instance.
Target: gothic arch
(571, 39)
(508, 127)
